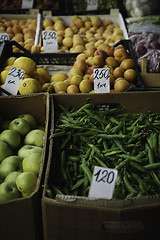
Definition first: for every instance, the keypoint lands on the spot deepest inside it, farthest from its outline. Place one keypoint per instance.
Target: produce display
(22, 31)
(80, 78)
(109, 137)
(83, 32)
(81, 6)
(147, 45)
(21, 146)
(17, 4)
(139, 8)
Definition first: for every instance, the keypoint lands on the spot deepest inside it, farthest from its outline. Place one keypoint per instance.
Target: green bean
(96, 117)
(137, 166)
(122, 164)
(101, 163)
(86, 170)
(128, 185)
(150, 153)
(57, 190)
(63, 158)
(114, 136)
(77, 184)
(155, 178)
(57, 134)
(152, 166)
(120, 145)
(140, 182)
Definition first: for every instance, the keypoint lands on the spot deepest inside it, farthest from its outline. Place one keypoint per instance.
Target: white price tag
(92, 5)
(50, 41)
(4, 37)
(27, 4)
(101, 80)
(103, 183)
(13, 80)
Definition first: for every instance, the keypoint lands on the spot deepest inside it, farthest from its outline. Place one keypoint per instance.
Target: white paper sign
(4, 37)
(13, 80)
(92, 5)
(50, 41)
(101, 80)
(103, 183)
(27, 4)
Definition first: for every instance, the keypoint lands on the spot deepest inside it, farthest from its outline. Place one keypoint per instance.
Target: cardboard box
(76, 217)
(21, 218)
(150, 80)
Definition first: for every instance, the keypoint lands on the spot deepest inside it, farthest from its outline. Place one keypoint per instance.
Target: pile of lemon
(35, 78)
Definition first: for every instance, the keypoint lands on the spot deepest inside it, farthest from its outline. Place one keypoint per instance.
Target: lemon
(26, 64)
(57, 77)
(3, 76)
(28, 86)
(43, 73)
(10, 61)
(8, 67)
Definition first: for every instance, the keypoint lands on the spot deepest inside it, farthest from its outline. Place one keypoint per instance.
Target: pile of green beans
(112, 138)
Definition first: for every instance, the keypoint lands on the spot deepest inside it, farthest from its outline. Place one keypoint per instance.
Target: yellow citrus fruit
(3, 76)
(57, 77)
(28, 86)
(8, 67)
(10, 61)
(26, 64)
(43, 73)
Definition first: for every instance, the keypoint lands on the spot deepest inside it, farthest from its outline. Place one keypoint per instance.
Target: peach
(118, 72)
(130, 75)
(90, 51)
(120, 54)
(81, 64)
(111, 61)
(121, 85)
(98, 60)
(127, 63)
(101, 53)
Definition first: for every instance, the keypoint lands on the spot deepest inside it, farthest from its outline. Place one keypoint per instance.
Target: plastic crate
(39, 58)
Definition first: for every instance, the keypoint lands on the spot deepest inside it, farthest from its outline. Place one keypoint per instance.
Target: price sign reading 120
(101, 80)
(103, 183)
(49, 41)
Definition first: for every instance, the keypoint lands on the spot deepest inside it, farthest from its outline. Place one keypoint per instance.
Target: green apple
(20, 125)
(26, 183)
(8, 191)
(10, 164)
(11, 177)
(35, 137)
(12, 137)
(32, 163)
(5, 124)
(5, 150)
(30, 119)
(25, 150)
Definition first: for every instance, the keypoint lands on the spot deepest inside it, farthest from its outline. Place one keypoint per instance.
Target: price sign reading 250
(103, 182)
(101, 73)
(48, 35)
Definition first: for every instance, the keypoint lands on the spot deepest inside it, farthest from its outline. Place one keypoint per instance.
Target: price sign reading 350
(13, 80)
(49, 41)
(101, 80)
(103, 183)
